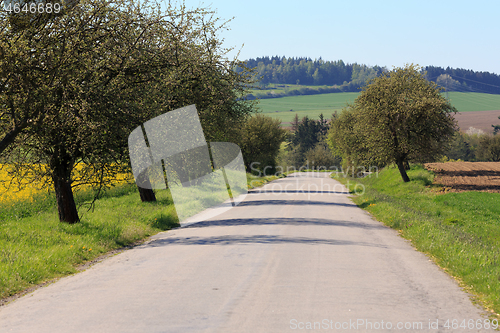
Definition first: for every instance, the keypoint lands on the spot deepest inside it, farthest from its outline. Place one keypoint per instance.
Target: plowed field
(467, 176)
(478, 119)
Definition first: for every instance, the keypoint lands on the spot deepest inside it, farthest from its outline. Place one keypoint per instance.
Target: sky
(458, 34)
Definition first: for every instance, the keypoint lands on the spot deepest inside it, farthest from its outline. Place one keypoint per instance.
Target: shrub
(321, 157)
(260, 139)
(489, 148)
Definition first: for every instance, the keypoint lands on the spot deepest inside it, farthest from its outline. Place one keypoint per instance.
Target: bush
(260, 139)
(489, 148)
(290, 158)
(461, 148)
(320, 157)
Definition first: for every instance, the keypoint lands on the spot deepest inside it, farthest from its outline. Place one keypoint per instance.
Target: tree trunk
(66, 206)
(402, 171)
(146, 194)
(144, 187)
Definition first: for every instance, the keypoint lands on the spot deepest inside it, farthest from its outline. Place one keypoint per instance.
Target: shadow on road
(285, 191)
(253, 239)
(291, 202)
(266, 239)
(284, 221)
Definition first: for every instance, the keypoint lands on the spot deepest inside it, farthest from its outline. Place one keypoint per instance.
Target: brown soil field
(478, 119)
(467, 176)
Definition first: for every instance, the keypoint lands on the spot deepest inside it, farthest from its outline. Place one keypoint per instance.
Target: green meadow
(466, 102)
(285, 108)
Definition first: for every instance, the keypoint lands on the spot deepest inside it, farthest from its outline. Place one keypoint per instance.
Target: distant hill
(345, 77)
(469, 80)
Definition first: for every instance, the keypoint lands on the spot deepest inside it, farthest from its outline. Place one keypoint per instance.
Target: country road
(295, 255)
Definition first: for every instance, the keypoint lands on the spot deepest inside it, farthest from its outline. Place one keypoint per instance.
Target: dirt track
(467, 176)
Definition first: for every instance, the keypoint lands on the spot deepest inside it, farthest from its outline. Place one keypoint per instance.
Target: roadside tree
(399, 117)
(260, 139)
(346, 138)
(73, 86)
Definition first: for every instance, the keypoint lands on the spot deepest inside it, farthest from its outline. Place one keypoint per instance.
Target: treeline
(269, 93)
(465, 79)
(474, 147)
(306, 71)
(345, 77)
(338, 145)
(307, 147)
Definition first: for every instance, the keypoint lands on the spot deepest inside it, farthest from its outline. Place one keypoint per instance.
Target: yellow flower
(30, 188)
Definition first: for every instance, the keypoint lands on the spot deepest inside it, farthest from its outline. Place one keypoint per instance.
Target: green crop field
(466, 102)
(285, 108)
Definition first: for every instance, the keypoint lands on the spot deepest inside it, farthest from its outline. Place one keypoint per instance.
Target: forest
(350, 77)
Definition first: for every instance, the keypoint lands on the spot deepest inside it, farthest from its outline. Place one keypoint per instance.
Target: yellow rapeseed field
(26, 190)
(10, 192)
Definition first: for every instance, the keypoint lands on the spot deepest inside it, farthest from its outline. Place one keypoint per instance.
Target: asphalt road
(297, 254)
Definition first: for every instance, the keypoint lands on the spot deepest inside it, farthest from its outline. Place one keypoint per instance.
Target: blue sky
(459, 34)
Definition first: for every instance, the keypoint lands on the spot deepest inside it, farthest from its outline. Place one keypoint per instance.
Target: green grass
(310, 105)
(313, 105)
(35, 247)
(466, 102)
(461, 231)
(254, 181)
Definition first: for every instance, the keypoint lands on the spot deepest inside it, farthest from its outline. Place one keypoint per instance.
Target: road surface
(296, 255)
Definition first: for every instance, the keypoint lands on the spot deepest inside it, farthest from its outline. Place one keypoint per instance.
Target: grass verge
(254, 181)
(460, 231)
(35, 247)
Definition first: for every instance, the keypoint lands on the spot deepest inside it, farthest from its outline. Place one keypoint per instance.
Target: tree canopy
(306, 146)
(73, 85)
(398, 118)
(260, 138)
